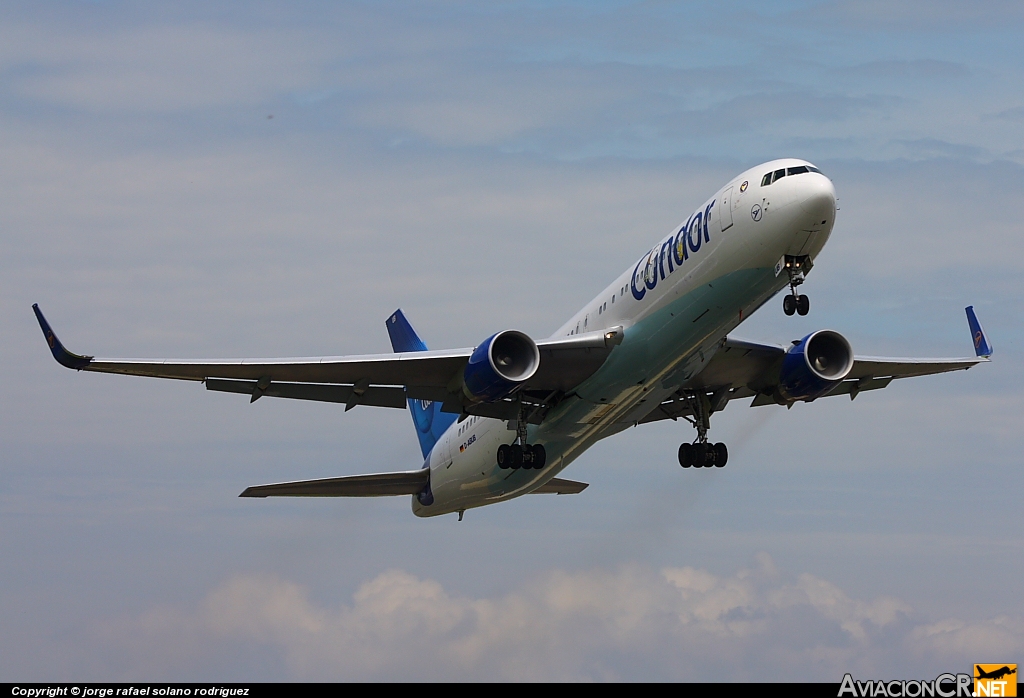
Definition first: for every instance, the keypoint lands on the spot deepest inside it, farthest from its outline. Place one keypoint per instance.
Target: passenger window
(797, 170)
(779, 174)
(766, 180)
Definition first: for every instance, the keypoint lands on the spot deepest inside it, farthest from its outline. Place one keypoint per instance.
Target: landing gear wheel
(789, 305)
(516, 456)
(686, 455)
(528, 457)
(540, 457)
(700, 453)
(700, 456)
(803, 305)
(721, 455)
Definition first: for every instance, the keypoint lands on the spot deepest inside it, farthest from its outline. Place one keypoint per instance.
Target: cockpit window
(779, 174)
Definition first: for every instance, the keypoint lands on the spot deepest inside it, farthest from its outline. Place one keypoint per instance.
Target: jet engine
(815, 365)
(499, 365)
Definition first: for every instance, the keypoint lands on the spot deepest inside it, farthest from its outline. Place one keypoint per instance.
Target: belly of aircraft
(659, 353)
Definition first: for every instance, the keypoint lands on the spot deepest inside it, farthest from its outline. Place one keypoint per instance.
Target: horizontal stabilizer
(376, 485)
(559, 486)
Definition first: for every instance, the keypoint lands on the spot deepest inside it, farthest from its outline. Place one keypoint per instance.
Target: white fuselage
(675, 305)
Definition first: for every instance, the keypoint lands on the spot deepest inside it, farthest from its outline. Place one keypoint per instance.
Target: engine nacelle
(815, 365)
(499, 365)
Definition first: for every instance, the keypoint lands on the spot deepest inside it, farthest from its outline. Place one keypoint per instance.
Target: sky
(222, 179)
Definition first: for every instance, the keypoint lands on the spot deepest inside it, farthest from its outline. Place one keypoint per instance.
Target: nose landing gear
(700, 453)
(794, 302)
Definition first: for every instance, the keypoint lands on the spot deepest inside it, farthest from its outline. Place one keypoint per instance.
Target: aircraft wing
(743, 369)
(382, 380)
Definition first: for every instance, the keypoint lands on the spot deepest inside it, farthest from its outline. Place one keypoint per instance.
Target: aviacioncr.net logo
(943, 686)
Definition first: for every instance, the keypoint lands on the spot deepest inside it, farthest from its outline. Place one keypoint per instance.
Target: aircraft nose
(818, 198)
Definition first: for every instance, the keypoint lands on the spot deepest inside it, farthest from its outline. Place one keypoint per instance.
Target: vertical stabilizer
(430, 421)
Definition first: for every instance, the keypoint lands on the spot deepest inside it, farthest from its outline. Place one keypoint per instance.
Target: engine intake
(815, 365)
(499, 365)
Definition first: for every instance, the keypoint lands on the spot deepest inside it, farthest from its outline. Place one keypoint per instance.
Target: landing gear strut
(700, 453)
(794, 302)
(520, 454)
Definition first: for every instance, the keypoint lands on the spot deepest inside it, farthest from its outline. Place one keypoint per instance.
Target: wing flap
(375, 485)
(346, 394)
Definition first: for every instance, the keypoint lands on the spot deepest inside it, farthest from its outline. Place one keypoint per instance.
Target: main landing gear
(700, 453)
(526, 457)
(520, 454)
(794, 302)
(704, 455)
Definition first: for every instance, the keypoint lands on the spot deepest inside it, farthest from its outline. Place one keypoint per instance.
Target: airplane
(505, 418)
(996, 674)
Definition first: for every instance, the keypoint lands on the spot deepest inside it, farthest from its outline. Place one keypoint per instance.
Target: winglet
(981, 345)
(63, 356)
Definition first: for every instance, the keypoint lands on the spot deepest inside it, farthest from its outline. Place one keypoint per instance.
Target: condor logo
(995, 680)
(673, 252)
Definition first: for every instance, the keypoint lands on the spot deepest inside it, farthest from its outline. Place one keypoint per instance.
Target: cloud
(159, 68)
(914, 16)
(567, 83)
(742, 113)
(993, 637)
(908, 70)
(933, 148)
(630, 623)
(1010, 114)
